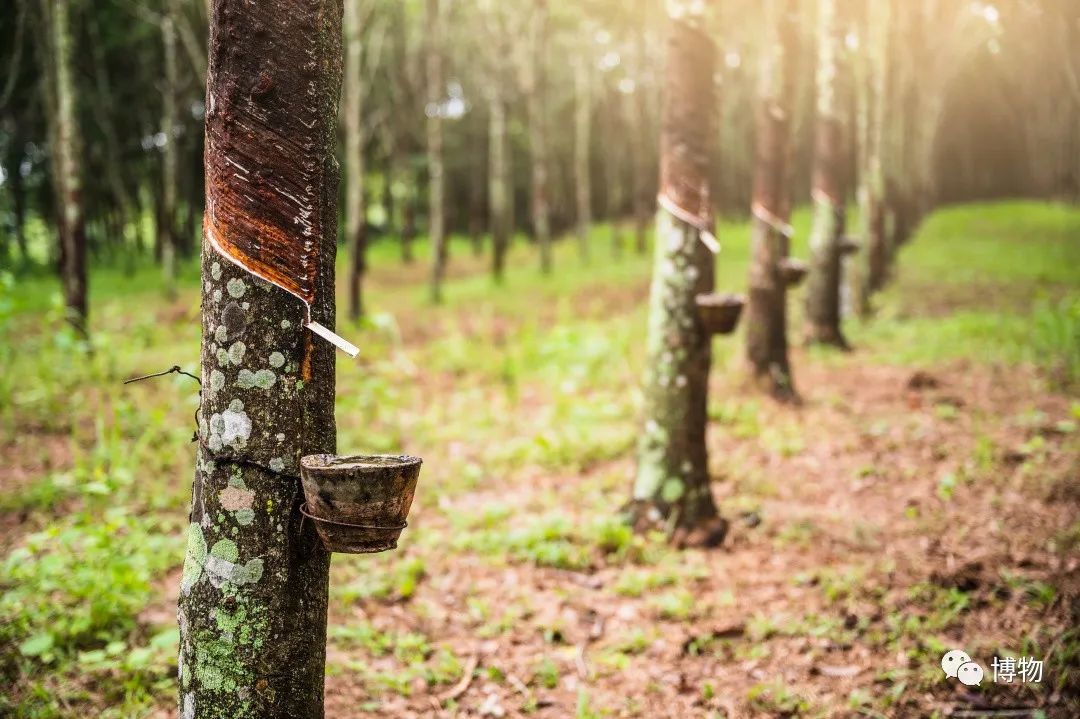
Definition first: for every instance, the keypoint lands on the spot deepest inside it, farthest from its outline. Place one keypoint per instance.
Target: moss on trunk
(671, 489)
(254, 590)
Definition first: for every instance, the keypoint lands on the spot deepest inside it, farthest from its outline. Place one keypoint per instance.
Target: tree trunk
(390, 172)
(355, 209)
(254, 591)
(102, 100)
(18, 207)
(537, 106)
(823, 314)
(872, 195)
(499, 178)
(436, 182)
(67, 163)
(169, 176)
(639, 137)
(582, 128)
(672, 485)
(613, 157)
(408, 220)
(766, 333)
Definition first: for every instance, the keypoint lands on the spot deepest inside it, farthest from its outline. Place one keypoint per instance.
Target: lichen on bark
(671, 489)
(254, 587)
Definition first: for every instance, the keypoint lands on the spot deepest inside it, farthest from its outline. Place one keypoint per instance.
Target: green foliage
(78, 584)
(776, 699)
(539, 376)
(993, 283)
(69, 602)
(546, 674)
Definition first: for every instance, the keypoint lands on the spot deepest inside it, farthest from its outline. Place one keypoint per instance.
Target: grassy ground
(923, 498)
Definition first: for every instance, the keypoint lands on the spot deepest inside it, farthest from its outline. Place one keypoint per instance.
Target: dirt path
(893, 514)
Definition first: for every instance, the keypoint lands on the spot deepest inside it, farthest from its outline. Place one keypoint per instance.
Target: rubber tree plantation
(539, 359)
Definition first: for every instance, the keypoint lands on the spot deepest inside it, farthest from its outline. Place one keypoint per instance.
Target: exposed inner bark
(671, 489)
(254, 590)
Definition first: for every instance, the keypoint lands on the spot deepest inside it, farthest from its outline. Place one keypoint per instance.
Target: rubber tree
(66, 138)
(536, 99)
(493, 22)
(823, 308)
(583, 70)
(436, 86)
(355, 206)
(170, 177)
(638, 116)
(253, 595)
(766, 333)
(671, 489)
(874, 109)
(498, 178)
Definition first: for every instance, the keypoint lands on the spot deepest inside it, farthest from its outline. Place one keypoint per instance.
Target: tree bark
(766, 333)
(18, 199)
(823, 315)
(537, 107)
(169, 175)
(613, 173)
(639, 136)
(477, 189)
(872, 194)
(390, 172)
(253, 595)
(355, 208)
(67, 162)
(436, 181)
(672, 484)
(499, 179)
(582, 132)
(103, 100)
(408, 220)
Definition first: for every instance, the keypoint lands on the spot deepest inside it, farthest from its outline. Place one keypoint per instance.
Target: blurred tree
(582, 131)
(66, 140)
(169, 164)
(823, 292)
(875, 114)
(357, 14)
(536, 96)
(672, 485)
(766, 333)
(436, 91)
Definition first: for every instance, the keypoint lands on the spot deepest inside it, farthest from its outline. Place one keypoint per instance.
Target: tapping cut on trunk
(771, 273)
(671, 489)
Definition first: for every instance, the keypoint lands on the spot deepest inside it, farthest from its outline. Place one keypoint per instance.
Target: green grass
(994, 283)
(544, 373)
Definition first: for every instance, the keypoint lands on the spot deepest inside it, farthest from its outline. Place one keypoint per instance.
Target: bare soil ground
(910, 511)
